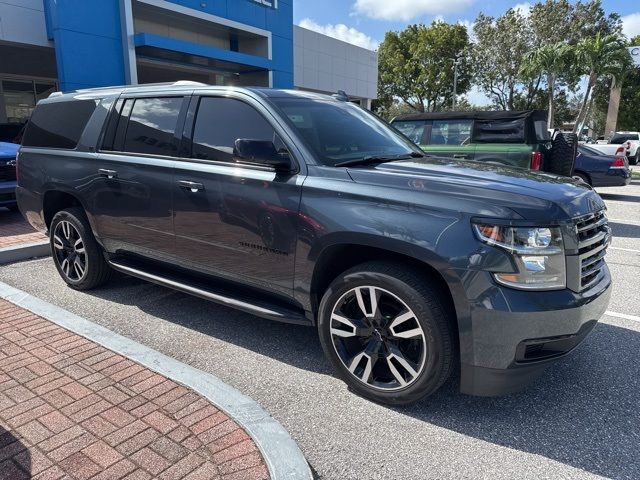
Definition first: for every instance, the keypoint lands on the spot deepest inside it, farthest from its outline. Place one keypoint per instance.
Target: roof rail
(179, 83)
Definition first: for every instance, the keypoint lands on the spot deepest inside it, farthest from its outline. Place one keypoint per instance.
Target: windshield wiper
(373, 159)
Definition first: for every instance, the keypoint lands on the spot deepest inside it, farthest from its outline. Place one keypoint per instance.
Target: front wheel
(76, 254)
(387, 333)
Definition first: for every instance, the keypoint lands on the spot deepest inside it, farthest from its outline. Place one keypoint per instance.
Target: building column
(365, 103)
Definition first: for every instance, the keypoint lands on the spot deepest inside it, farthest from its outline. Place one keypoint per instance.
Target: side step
(255, 307)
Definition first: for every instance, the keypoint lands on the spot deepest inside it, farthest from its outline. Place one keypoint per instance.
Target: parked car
(8, 152)
(303, 208)
(631, 143)
(514, 138)
(600, 170)
(626, 142)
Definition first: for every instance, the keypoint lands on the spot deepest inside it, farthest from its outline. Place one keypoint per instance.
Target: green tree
(600, 55)
(501, 44)
(549, 60)
(416, 65)
(550, 21)
(629, 113)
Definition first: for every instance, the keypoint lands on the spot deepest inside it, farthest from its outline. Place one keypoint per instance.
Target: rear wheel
(564, 149)
(387, 333)
(76, 254)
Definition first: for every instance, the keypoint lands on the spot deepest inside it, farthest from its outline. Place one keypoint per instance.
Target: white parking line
(624, 249)
(620, 220)
(622, 315)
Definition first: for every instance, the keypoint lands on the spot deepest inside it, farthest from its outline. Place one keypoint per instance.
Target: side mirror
(262, 152)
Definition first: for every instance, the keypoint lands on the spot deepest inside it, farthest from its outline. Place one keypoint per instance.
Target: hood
(8, 150)
(531, 195)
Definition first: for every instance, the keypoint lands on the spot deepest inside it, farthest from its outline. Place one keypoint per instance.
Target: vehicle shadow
(18, 467)
(619, 197)
(295, 345)
(583, 412)
(620, 229)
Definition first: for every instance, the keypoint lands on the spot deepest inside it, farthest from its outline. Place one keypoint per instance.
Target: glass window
(19, 100)
(340, 131)
(451, 132)
(619, 139)
(152, 126)
(414, 129)
(221, 121)
(58, 124)
(542, 132)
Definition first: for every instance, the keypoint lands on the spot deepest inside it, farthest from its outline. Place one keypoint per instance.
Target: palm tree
(549, 60)
(600, 55)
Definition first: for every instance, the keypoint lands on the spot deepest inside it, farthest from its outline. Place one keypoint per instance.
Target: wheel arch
(338, 257)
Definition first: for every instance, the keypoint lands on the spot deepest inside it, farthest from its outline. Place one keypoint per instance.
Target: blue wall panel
(89, 48)
(88, 42)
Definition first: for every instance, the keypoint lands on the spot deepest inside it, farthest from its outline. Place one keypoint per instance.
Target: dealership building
(49, 45)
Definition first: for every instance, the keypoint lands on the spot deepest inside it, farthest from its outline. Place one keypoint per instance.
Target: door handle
(193, 186)
(460, 155)
(107, 173)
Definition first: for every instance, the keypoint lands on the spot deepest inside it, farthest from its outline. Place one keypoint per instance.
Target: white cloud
(406, 10)
(524, 8)
(341, 32)
(631, 24)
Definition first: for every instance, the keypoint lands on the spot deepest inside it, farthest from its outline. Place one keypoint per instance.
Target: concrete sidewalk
(70, 408)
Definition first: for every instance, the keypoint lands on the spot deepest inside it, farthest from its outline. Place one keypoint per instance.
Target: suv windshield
(341, 131)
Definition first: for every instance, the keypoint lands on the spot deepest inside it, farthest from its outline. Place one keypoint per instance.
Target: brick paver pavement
(72, 409)
(15, 230)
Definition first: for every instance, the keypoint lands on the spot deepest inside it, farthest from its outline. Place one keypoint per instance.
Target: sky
(364, 22)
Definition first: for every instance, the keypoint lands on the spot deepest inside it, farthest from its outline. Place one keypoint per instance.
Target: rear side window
(620, 139)
(221, 121)
(414, 129)
(500, 131)
(58, 124)
(152, 126)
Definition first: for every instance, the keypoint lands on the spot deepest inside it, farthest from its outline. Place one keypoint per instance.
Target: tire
(633, 160)
(582, 176)
(564, 149)
(71, 238)
(421, 339)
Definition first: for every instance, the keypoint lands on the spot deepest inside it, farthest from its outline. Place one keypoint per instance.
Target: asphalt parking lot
(580, 420)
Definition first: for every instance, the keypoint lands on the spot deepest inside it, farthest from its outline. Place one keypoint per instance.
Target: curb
(283, 457)
(26, 251)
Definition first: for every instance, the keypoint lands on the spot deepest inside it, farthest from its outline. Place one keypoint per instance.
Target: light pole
(456, 64)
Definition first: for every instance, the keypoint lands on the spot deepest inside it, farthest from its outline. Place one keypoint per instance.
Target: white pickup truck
(628, 141)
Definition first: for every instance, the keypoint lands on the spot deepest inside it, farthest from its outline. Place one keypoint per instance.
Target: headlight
(538, 254)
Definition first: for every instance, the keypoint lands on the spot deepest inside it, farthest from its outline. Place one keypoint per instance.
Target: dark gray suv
(307, 209)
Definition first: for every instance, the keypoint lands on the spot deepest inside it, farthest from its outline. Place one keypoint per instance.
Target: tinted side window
(220, 122)
(152, 126)
(620, 139)
(58, 124)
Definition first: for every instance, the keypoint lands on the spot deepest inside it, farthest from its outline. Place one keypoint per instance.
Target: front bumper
(514, 335)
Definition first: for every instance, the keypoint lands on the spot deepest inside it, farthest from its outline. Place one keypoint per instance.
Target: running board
(271, 312)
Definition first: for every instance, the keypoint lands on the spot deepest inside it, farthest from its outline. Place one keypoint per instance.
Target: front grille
(7, 173)
(593, 238)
